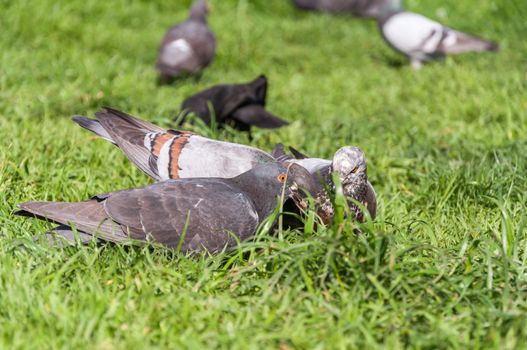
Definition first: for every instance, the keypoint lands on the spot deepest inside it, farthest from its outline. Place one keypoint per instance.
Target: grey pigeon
(241, 105)
(360, 8)
(187, 47)
(172, 154)
(422, 39)
(350, 164)
(193, 214)
(351, 167)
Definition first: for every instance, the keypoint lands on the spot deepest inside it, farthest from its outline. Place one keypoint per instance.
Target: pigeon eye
(281, 178)
(355, 170)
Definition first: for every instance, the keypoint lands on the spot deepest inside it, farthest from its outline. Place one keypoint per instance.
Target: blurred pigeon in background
(241, 105)
(187, 47)
(359, 8)
(422, 39)
(192, 214)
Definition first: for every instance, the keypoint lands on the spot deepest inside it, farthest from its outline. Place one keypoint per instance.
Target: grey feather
(93, 126)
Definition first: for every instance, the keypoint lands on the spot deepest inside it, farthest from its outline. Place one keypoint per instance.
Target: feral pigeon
(241, 105)
(360, 8)
(171, 154)
(191, 214)
(187, 47)
(349, 163)
(422, 39)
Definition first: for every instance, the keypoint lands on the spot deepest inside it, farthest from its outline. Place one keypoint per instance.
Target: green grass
(443, 266)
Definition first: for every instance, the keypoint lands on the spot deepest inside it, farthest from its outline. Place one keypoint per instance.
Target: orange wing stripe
(175, 151)
(159, 141)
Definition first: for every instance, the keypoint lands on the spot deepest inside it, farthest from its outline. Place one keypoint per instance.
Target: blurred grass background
(443, 266)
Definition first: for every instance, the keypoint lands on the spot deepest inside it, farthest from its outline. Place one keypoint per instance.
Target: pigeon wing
(94, 126)
(455, 42)
(202, 213)
(142, 142)
(257, 115)
(89, 217)
(138, 139)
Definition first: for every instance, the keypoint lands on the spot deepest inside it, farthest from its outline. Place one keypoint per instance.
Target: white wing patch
(147, 142)
(203, 157)
(176, 52)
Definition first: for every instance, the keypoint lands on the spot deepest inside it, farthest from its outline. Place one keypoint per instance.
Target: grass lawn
(443, 266)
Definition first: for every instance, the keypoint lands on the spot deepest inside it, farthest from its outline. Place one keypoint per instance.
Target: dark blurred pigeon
(241, 105)
(187, 47)
(422, 39)
(171, 154)
(360, 8)
(193, 214)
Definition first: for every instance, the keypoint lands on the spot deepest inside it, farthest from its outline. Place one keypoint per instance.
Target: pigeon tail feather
(93, 126)
(470, 43)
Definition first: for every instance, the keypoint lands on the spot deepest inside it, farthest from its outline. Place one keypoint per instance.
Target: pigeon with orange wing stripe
(171, 154)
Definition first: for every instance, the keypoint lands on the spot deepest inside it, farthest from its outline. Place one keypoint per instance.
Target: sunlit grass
(443, 265)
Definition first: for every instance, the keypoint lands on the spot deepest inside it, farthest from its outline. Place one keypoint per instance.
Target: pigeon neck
(357, 191)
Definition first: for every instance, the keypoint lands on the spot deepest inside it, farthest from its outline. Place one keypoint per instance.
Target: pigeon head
(350, 165)
(199, 10)
(264, 183)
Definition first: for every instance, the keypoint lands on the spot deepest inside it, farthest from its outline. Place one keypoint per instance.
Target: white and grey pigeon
(360, 8)
(172, 154)
(422, 39)
(193, 214)
(187, 47)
